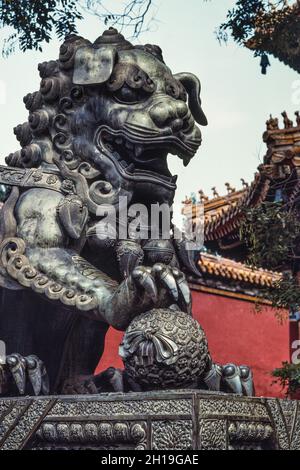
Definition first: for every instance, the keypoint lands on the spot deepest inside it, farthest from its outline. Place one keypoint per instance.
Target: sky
(236, 98)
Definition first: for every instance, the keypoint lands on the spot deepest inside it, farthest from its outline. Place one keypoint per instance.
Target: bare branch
(134, 15)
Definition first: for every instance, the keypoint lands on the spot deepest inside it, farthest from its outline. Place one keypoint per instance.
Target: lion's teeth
(186, 161)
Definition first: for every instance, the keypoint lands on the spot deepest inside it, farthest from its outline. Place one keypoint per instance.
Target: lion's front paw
(230, 378)
(238, 379)
(24, 374)
(151, 279)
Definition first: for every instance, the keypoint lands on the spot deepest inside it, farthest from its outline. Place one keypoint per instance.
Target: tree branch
(133, 15)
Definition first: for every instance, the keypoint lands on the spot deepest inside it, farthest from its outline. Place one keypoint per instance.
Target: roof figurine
(230, 189)
(288, 123)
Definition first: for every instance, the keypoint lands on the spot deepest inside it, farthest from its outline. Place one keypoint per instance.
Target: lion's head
(116, 108)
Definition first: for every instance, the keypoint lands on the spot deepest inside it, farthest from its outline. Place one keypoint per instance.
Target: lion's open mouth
(145, 151)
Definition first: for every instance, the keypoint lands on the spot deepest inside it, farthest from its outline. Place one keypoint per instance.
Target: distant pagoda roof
(227, 269)
(222, 214)
(277, 32)
(223, 276)
(281, 164)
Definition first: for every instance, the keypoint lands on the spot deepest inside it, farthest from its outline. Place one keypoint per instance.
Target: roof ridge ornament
(215, 192)
(244, 183)
(230, 189)
(288, 123)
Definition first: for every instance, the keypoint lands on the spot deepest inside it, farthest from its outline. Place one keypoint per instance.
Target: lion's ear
(193, 87)
(94, 66)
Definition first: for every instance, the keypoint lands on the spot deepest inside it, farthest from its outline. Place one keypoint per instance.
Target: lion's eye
(130, 95)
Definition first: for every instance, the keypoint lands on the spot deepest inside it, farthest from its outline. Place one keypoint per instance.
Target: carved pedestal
(176, 420)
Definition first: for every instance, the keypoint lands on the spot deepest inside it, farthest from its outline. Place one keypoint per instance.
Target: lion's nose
(169, 113)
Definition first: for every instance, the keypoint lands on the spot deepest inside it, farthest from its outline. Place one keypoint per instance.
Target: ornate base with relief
(174, 420)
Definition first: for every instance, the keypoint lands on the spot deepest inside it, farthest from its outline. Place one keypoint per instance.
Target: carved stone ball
(164, 348)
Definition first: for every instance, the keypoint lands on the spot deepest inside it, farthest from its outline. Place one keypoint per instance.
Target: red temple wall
(236, 333)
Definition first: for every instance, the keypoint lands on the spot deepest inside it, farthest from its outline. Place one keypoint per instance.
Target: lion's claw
(247, 380)
(183, 288)
(145, 280)
(230, 378)
(238, 379)
(24, 371)
(165, 275)
(17, 367)
(37, 374)
(160, 275)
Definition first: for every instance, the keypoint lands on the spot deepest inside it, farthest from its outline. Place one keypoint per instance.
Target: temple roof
(281, 166)
(218, 266)
(280, 171)
(222, 215)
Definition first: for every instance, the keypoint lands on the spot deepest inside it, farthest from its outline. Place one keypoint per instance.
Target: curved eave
(230, 270)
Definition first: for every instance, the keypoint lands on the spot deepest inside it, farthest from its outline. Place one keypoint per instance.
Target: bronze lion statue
(99, 131)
